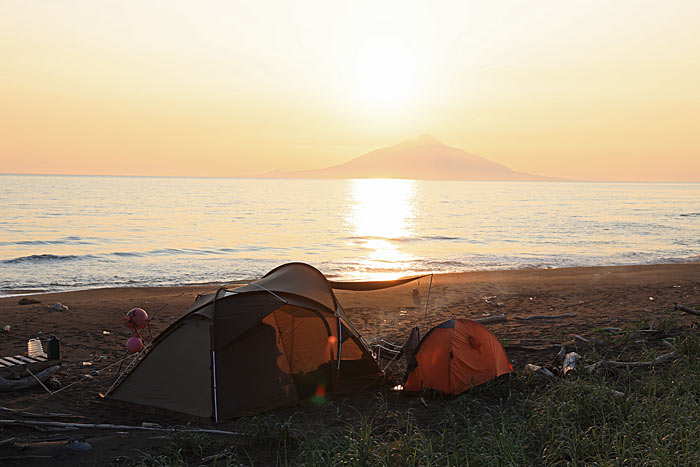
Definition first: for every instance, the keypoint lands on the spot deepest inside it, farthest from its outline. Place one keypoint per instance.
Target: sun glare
(381, 220)
(385, 76)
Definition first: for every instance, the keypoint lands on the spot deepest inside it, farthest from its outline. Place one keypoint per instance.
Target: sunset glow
(380, 220)
(601, 91)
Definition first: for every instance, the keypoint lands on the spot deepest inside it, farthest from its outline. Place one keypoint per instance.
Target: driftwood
(39, 415)
(7, 441)
(107, 426)
(7, 384)
(492, 319)
(685, 309)
(611, 363)
(570, 361)
(528, 318)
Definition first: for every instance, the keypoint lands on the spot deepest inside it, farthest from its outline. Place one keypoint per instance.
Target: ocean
(74, 232)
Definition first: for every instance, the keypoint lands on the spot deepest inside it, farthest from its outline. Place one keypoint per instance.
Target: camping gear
(454, 356)
(53, 348)
(258, 347)
(34, 348)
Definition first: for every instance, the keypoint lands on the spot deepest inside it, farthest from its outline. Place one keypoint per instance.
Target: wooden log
(39, 415)
(7, 441)
(7, 384)
(492, 319)
(528, 318)
(685, 309)
(660, 359)
(108, 426)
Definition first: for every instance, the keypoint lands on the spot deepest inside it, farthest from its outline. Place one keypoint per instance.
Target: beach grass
(617, 416)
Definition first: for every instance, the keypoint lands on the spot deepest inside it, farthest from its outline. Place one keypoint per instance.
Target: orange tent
(454, 356)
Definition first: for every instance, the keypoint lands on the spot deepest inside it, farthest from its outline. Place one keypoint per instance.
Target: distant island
(421, 158)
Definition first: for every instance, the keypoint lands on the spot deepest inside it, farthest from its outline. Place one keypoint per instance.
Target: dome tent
(454, 356)
(258, 347)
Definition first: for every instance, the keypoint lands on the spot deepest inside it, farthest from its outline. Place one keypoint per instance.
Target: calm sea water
(62, 232)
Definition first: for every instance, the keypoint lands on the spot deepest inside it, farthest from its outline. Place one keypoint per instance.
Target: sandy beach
(93, 329)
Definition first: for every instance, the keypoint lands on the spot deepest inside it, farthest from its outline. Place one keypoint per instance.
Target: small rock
(28, 301)
(78, 446)
(58, 307)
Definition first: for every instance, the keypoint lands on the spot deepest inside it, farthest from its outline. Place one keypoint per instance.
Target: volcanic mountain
(422, 158)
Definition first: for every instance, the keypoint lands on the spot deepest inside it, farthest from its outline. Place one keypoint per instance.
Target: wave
(72, 240)
(44, 258)
(423, 238)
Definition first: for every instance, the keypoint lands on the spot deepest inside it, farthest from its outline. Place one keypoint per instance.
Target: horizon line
(253, 177)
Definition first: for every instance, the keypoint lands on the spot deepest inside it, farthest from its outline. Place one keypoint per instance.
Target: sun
(385, 75)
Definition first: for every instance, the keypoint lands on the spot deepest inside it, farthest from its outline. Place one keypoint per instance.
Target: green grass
(523, 420)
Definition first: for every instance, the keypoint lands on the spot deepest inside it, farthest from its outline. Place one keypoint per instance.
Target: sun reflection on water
(381, 217)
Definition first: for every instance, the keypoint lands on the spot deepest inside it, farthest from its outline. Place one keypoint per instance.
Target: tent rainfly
(454, 356)
(245, 350)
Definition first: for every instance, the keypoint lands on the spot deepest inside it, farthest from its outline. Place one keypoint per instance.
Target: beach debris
(611, 363)
(6, 328)
(78, 446)
(539, 370)
(86, 363)
(491, 300)
(25, 382)
(652, 299)
(686, 309)
(108, 426)
(53, 383)
(560, 356)
(528, 318)
(34, 348)
(134, 344)
(137, 318)
(28, 301)
(570, 361)
(58, 307)
(106, 333)
(581, 338)
(492, 319)
(4, 442)
(613, 330)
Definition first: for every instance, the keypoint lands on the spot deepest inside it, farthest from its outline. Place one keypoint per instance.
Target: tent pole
(427, 300)
(340, 340)
(213, 365)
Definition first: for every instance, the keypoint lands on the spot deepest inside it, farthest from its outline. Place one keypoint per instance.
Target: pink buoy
(134, 344)
(136, 318)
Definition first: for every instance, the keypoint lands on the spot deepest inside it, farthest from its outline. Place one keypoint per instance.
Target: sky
(594, 90)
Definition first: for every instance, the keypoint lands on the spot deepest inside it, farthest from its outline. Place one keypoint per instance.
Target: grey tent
(258, 347)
